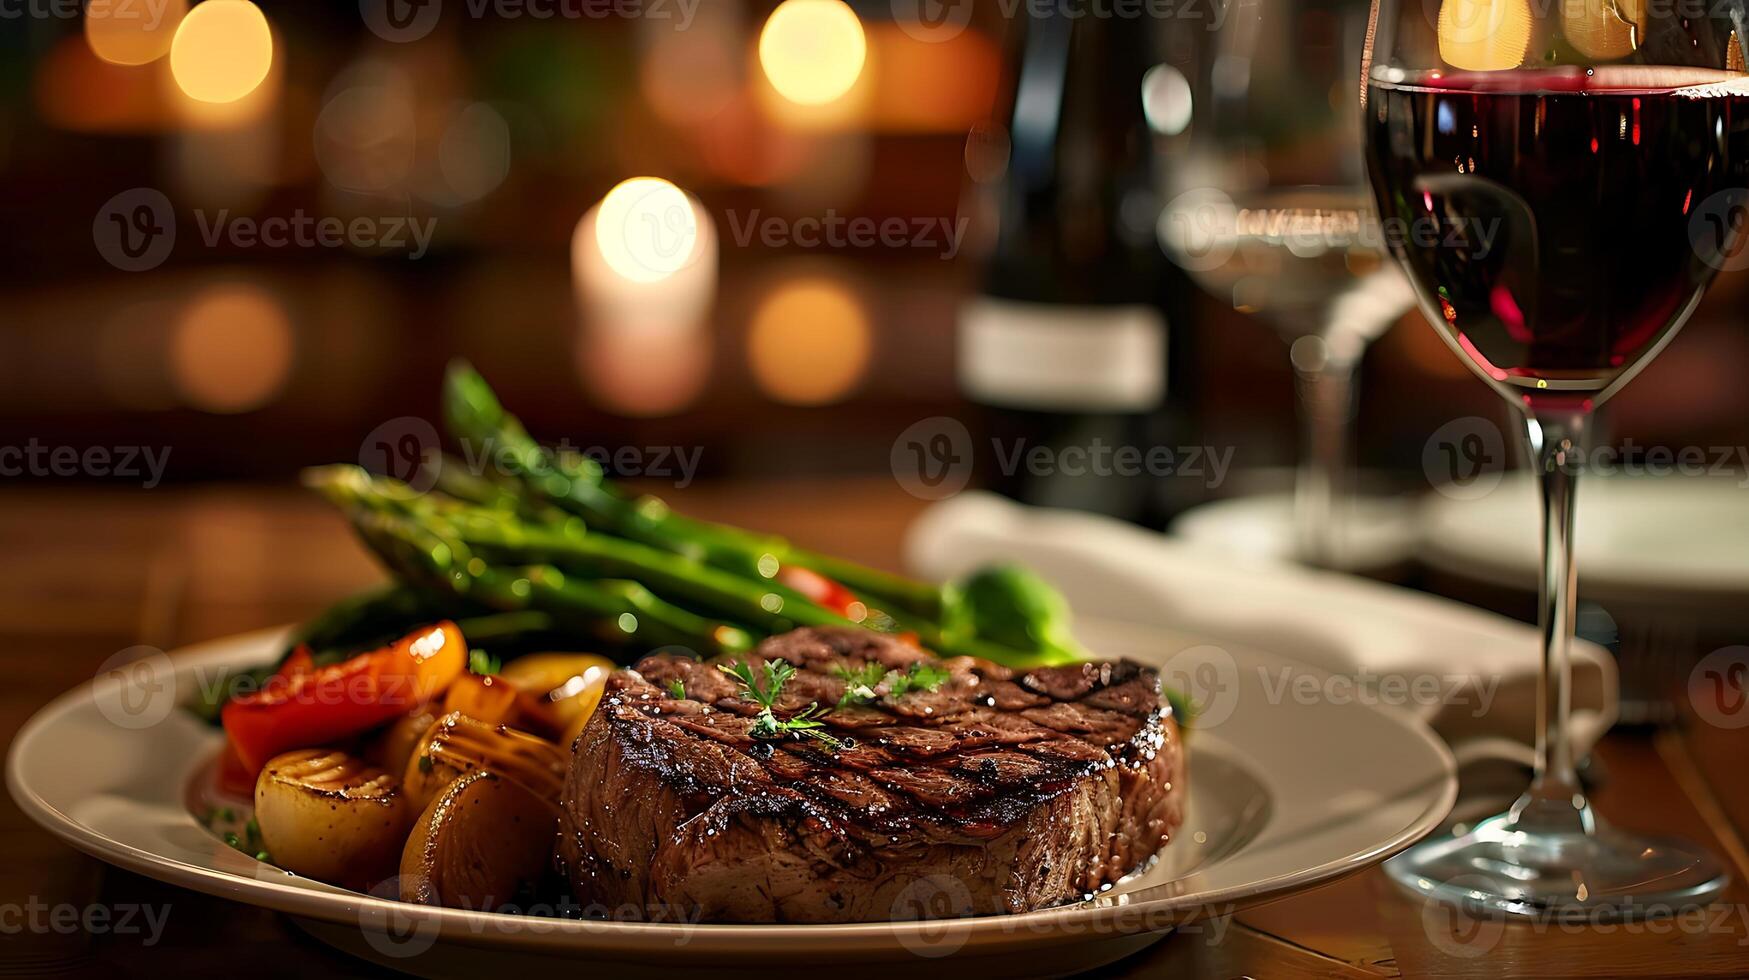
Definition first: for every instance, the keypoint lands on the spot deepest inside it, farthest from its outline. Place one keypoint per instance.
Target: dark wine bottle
(1068, 346)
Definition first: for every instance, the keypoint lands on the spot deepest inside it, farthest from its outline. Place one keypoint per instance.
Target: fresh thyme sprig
(921, 677)
(766, 724)
(860, 685)
(677, 689)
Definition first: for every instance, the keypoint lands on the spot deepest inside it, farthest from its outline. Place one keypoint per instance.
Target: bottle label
(1062, 358)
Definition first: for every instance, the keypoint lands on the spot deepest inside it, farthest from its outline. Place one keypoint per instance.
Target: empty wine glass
(1269, 211)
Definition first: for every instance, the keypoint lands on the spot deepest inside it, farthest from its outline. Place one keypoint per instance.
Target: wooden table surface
(88, 573)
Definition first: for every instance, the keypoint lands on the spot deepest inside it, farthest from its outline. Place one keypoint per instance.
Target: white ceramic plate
(1682, 537)
(1282, 796)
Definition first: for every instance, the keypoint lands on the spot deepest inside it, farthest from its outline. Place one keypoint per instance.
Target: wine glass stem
(1555, 441)
(1320, 486)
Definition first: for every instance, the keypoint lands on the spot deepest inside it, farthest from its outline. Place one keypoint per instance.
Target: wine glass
(1560, 181)
(1269, 211)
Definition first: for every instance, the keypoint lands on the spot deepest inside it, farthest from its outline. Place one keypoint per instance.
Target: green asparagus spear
(576, 483)
(623, 611)
(496, 536)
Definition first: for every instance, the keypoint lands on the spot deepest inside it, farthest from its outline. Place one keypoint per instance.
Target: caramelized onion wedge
(331, 817)
(478, 843)
(457, 744)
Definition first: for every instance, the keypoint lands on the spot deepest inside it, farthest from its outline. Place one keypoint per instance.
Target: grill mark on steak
(1035, 787)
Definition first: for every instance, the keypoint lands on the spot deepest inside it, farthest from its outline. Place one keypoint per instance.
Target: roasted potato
(390, 750)
(478, 843)
(331, 817)
(567, 685)
(457, 744)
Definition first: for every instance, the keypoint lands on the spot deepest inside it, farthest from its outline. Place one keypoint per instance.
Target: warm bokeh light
(1484, 35)
(691, 76)
(646, 229)
(1166, 100)
(474, 154)
(643, 370)
(812, 51)
(365, 138)
(231, 350)
(222, 51)
(132, 33)
(809, 342)
(78, 91)
(1604, 29)
(930, 86)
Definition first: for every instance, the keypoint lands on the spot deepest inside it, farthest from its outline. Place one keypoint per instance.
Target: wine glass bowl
(1560, 181)
(1270, 213)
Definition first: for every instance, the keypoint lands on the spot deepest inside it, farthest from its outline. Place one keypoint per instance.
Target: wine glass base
(1563, 874)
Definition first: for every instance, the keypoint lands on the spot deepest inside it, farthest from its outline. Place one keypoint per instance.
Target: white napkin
(1484, 665)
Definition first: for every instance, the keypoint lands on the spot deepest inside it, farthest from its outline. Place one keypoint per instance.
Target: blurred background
(251, 234)
(499, 132)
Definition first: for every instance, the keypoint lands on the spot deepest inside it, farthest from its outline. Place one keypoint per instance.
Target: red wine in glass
(1564, 221)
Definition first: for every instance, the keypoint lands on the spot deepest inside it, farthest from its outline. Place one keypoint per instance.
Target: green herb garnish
(766, 724)
(677, 689)
(481, 662)
(921, 677)
(860, 684)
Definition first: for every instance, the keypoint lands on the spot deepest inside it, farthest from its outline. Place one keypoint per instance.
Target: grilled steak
(995, 792)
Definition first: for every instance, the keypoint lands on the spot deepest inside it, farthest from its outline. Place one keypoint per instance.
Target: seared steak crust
(997, 792)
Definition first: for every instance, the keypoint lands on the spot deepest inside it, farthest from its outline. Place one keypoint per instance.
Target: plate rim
(470, 927)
